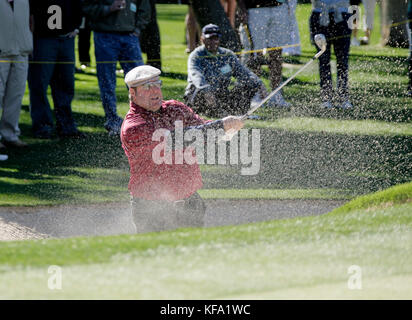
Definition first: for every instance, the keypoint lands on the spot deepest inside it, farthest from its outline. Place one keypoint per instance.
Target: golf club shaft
(244, 117)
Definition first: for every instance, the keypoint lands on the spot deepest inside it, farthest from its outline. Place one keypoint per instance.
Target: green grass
(393, 196)
(306, 148)
(295, 258)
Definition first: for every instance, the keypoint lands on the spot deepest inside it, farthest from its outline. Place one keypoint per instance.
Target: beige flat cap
(140, 75)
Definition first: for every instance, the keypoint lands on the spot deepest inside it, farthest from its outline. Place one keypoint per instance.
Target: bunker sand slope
(23, 223)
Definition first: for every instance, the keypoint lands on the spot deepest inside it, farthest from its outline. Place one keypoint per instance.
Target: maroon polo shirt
(149, 180)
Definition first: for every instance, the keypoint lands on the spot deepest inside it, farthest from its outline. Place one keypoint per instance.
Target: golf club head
(320, 41)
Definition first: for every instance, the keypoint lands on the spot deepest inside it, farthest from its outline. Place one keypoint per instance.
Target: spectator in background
(15, 47)
(210, 69)
(330, 17)
(117, 26)
(56, 24)
(193, 32)
(230, 9)
(83, 43)
(150, 39)
(369, 16)
(410, 48)
(269, 27)
(354, 41)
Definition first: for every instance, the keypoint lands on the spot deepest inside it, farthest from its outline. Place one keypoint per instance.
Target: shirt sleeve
(195, 71)
(193, 121)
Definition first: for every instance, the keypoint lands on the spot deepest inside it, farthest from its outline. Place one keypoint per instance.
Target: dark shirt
(133, 18)
(71, 17)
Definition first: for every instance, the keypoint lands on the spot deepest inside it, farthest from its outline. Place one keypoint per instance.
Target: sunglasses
(148, 85)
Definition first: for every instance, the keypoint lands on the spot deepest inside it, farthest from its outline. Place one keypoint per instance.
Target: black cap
(211, 30)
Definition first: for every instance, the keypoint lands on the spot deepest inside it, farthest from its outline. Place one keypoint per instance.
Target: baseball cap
(140, 75)
(211, 30)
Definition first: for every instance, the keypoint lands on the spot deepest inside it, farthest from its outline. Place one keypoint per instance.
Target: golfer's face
(211, 43)
(149, 95)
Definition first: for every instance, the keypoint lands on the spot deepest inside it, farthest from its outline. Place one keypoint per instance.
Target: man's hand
(232, 124)
(118, 5)
(73, 33)
(210, 100)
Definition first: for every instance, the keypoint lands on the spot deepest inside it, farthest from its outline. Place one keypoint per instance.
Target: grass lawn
(305, 152)
(302, 258)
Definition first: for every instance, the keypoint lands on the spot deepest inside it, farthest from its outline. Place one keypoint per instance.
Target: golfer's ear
(132, 91)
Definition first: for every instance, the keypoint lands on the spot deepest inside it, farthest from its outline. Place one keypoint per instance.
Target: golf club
(320, 41)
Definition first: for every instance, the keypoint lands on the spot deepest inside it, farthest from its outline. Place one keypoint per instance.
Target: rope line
(237, 53)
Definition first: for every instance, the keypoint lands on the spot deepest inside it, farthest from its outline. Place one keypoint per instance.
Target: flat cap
(140, 75)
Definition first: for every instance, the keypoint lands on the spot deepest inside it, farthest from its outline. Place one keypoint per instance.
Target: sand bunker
(22, 223)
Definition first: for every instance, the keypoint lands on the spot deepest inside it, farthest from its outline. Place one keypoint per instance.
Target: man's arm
(143, 16)
(195, 71)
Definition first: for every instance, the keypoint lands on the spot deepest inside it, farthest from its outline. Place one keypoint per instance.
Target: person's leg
(41, 69)
(151, 37)
(341, 46)
(62, 86)
(14, 91)
(275, 68)
(203, 101)
(84, 45)
(324, 60)
(143, 217)
(192, 213)
(240, 97)
(191, 30)
(4, 76)
(410, 73)
(153, 216)
(106, 50)
(130, 54)
(257, 21)
(369, 17)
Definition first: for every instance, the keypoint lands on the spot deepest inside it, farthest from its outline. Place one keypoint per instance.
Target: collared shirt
(149, 180)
